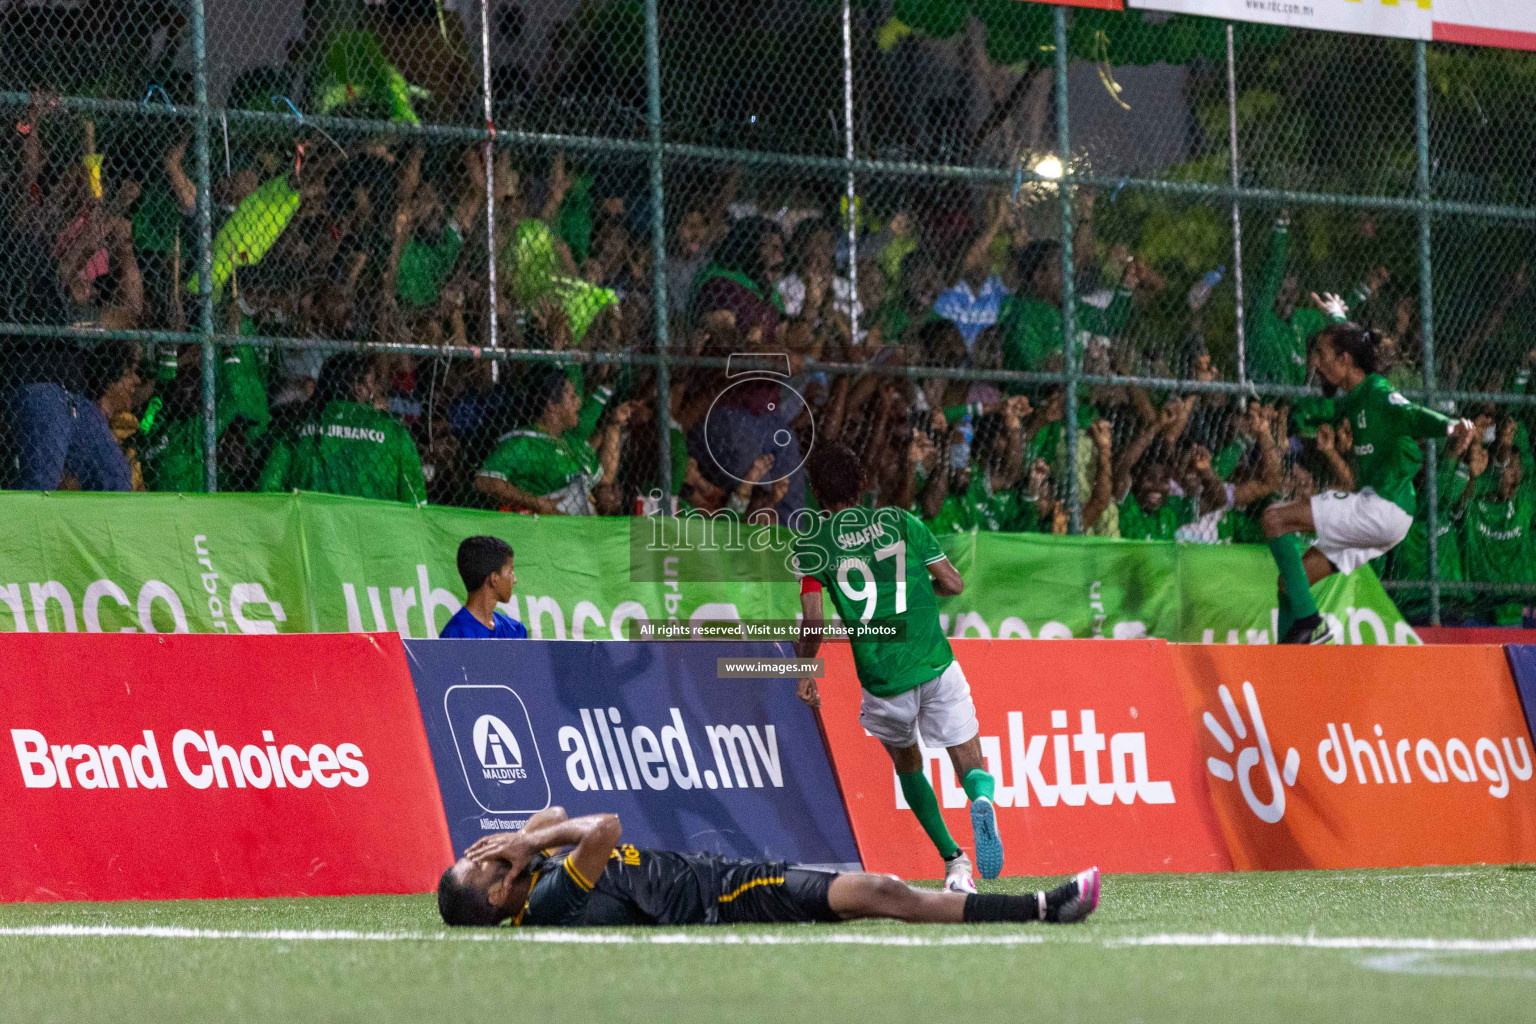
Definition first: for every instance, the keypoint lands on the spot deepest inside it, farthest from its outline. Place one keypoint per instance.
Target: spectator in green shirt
(1031, 319)
(982, 491)
(556, 463)
(429, 256)
(912, 302)
(1279, 325)
(174, 459)
(351, 447)
(1148, 508)
(1498, 539)
(1460, 464)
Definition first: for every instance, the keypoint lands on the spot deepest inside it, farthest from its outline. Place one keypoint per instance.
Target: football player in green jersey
(882, 566)
(1352, 528)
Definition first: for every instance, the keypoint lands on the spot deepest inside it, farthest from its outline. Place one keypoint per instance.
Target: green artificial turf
(415, 970)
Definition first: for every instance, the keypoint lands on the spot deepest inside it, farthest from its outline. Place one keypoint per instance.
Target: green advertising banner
(260, 563)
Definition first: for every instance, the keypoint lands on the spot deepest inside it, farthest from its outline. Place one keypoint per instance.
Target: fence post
(1068, 273)
(210, 360)
(1427, 316)
(853, 210)
(658, 252)
(1237, 209)
(490, 183)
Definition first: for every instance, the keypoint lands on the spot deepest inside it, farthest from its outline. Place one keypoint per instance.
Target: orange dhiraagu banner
(1092, 748)
(1340, 757)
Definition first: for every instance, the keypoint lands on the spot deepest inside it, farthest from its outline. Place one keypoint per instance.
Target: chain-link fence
(512, 255)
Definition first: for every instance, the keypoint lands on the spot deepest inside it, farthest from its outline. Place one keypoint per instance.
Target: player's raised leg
(858, 895)
(980, 788)
(1300, 621)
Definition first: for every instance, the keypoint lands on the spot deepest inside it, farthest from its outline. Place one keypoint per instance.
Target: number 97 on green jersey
(873, 563)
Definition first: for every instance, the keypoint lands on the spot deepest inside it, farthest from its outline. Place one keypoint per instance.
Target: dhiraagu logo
(493, 736)
(1256, 753)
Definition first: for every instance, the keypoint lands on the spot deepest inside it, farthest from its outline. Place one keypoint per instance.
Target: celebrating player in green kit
(1352, 528)
(882, 567)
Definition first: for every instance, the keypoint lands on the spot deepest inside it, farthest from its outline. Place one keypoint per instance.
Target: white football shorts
(1354, 528)
(940, 710)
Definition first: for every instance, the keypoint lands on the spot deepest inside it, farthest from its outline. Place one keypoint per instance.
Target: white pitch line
(705, 937)
(1518, 944)
(558, 936)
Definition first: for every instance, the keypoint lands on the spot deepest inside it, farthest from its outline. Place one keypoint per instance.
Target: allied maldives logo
(497, 751)
(501, 759)
(1255, 754)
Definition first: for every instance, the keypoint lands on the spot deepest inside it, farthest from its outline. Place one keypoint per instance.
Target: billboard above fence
(1479, 22)
(1103, 5)
(1367, 17)
(1507, 23)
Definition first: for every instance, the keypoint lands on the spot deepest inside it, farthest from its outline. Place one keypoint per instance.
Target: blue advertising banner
(644, 730)
(1522, 665)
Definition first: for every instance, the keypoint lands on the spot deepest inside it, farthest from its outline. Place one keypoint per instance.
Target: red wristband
(810, 585)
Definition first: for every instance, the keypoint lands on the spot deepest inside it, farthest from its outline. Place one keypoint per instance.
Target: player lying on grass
(1351, 529)
(882, 568)
(573, 872)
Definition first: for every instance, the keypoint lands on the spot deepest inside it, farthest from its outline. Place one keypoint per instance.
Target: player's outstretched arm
(946, 578)
(544, 819)
(811, 621)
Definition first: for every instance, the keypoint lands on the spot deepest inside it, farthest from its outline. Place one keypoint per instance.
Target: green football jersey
(350, 449)
(1410, 559)
(560, 469)
(980, 507)
(1498, 541)
(1385, 425)
(873, 563)
(1137, 523)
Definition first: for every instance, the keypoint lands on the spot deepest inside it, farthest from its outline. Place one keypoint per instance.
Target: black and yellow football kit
(642, 887)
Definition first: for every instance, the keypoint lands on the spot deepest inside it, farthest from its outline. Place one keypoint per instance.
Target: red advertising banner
(1481, 23)
(185, 766)
(1091, 746)
(1103, 5)
(1475, 635)
(1340, 757)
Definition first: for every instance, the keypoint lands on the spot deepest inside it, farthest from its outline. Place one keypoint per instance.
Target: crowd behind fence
(605, 257)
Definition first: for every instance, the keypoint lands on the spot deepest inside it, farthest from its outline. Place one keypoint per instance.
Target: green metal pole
(1427, 316)
(658, 251)
(210, 361)
(1068, 284)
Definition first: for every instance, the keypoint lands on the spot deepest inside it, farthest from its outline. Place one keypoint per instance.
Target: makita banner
(1331, 757)
(1090, 744)
(179, 767)
(689, 761)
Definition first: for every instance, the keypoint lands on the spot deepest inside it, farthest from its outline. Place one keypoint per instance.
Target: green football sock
(978, 783)
(1287, 617)
(1298, 589)
(924, 804)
